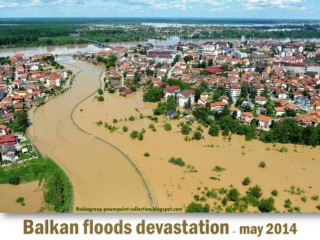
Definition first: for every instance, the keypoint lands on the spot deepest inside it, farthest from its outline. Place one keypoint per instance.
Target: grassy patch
(58, 189)
(177, 161)
(218, 169)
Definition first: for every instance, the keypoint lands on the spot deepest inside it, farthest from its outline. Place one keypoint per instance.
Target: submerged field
(290, 170)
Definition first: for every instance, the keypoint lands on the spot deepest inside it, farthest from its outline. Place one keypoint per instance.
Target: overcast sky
(274, 9)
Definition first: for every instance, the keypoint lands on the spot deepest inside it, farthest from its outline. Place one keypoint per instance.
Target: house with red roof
(246, 118)
(171, 91)
(279, 111)
(183, 97)
(217, 106)
(264, 122)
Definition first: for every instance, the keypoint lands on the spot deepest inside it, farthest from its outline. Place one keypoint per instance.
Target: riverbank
(176, 186)
(100, 175)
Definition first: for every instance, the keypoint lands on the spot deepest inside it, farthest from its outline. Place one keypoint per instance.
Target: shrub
(246, 181)
(141, 116)
(233, 194)
(151, 126)
(100, 99)
(266, 205)
(185, 129)
(214, 178)
(197, 135)
(100, 91)
(197, 208)
(114, 120)
(283, 149)
(274, 192)
(146, 154)
(287, 203)
(218, 169)
(304, 199)
(19, 200)
(140, 136)
(255, 191)
(177, 161)
(23, 204)
(315, 197)
(125, 129)
(318, 207)
(134, 134)
(262, 164)
(15, 180)
(167, 127)
(131, 118)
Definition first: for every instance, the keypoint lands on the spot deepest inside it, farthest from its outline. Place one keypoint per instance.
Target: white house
(183, 97)
(260, 100)
(171, 91)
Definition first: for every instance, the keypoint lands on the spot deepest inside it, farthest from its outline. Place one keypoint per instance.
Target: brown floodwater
(173, 185)
(101, 175)
(31, 192)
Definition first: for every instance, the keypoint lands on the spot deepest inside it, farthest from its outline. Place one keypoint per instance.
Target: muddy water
(173, 185)
(31, 192)
(101, 176)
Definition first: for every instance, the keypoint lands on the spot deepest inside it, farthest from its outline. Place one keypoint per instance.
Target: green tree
(197, 135)
(266, 205)
(153, 95)
(185, 129)
(214, 130)
(233, 194)
(196, 208)
(100, 91)
(20, 122)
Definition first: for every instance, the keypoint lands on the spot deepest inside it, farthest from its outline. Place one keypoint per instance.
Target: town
(256, 83)
(25, 81)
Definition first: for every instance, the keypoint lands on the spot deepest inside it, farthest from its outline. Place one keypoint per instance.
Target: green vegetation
(304, 199)
(262, 164)
(146, 154)
(58, 189)
(191, 169)
(274, 192)
(197, 135)
(246, 181)
(214, 178)
(125, 129)
(266, 205)
(233, 194)
(15, 180)
(218, 169)
(20, 200)
(287, 203)
(20, 122)
(197, 208)
(153, 95)
(134, 134)
(255, 191)
(185, 129)
(100, 91)
(167, 127)
(152, 127)
(131, 118)
(315, 197)
(100, 98)
(114, 120)
(177, 161)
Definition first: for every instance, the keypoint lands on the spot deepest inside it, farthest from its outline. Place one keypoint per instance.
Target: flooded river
(101, 175)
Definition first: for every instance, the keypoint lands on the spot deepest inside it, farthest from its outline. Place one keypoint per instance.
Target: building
(171, 91)
(246, 118)
(264, 122)
(235, 90)
(279, 111)
(183, 98)
(217, 106)
(260, 100)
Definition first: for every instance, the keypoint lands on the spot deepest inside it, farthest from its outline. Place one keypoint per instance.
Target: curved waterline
(144, 178)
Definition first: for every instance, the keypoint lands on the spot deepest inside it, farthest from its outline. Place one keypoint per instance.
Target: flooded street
(101, 176)
(174, 186)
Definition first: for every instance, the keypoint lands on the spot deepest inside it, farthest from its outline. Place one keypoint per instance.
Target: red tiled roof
(263, 118)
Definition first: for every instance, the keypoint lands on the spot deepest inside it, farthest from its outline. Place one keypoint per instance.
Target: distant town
(264, 81)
